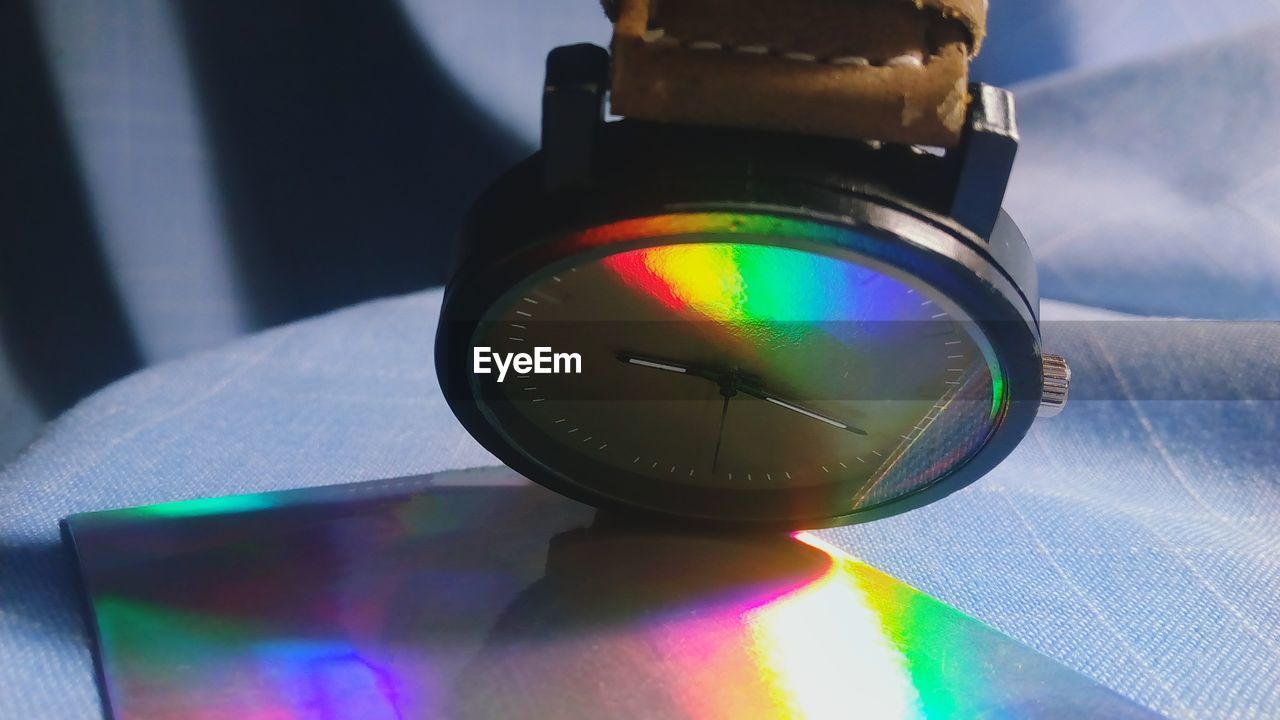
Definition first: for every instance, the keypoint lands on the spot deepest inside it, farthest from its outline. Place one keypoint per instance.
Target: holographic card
(474, 595)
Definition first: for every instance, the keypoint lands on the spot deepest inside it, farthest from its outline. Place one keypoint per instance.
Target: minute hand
(769, 397)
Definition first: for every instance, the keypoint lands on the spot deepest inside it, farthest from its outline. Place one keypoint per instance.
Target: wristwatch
(778, 292)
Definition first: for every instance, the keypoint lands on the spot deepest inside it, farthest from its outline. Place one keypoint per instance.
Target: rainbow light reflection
(809, 652)
(740, 283)
(345, 610)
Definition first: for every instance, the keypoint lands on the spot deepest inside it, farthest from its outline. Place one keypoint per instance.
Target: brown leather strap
(891, 70)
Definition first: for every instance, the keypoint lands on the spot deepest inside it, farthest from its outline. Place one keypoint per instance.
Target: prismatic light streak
(827, 652)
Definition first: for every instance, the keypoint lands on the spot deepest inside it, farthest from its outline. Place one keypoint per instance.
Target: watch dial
(720, 366)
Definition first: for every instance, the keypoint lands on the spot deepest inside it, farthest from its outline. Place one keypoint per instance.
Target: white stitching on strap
(659, 36)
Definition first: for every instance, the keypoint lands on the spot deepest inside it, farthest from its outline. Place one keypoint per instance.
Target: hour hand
(668, 365)
(656, 364)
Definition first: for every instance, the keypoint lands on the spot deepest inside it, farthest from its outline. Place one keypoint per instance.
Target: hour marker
(784, 472)
(846, 467)
(556, 278)
(633, 462)
(654, 465)
(955, 369)
(587, 438)
(859, 459)
(531, 301)
(522, 327)
(730, 476)
(926, 302)
(748, 477)
(690, 473)
(951, 342)
(673, 468)
(539, 399)
(521, 312)
(573, 430)
(954, 357)
(824, 468)
(952, 382)
(516, 339)
(604, 446)
(560, 421)
(768, 477)
(531, 388)
(876, 453)
(939, 315)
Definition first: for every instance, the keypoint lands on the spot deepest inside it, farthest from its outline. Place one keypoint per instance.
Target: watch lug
(983, 160)
(572, 110)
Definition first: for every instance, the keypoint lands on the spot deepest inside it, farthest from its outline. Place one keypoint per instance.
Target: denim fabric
(1133, 538)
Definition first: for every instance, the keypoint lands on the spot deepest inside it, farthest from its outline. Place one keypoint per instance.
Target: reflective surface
(470, 595)
(743, 352)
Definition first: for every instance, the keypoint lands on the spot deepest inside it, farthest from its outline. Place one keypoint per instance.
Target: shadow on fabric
(1026, 40)
(345, 158)
(62, 329)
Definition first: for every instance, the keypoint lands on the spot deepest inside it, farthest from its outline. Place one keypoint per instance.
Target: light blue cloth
(1134, 539)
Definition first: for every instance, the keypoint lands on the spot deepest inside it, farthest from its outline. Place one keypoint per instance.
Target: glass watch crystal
(740, 356)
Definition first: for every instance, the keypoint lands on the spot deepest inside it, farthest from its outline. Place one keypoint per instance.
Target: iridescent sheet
(473, 595)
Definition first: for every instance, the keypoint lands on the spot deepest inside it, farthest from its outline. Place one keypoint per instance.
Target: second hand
(728, 392)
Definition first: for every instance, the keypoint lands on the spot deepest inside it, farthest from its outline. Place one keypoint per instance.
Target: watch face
(730, 369)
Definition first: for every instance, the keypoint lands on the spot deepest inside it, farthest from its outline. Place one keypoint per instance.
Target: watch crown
(1057, 381)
